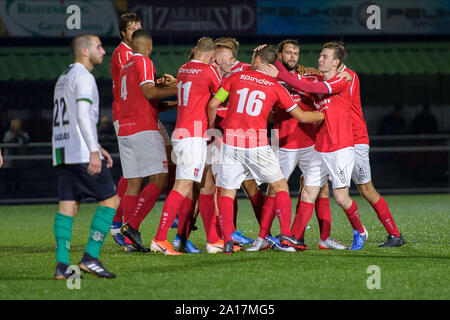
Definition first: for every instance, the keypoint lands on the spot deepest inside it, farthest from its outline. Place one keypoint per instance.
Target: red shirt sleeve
(300, 84)
(336, 85)
(226, 84)
(215, 80)
(146, 71)
(284, 99)
(354, 91)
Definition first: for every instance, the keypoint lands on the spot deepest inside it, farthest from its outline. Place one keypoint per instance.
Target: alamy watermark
(374, 280)
(74, 281)
(73, 21)
(373, 22)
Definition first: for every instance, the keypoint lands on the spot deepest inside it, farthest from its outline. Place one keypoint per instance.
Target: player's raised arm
(280, 72)
(151, 91)
(286, 102)
(306, 116)
(142, 44)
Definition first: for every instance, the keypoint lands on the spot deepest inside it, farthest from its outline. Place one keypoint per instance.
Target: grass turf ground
(418, 270)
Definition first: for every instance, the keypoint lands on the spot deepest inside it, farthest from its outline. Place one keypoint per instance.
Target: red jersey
(336, 131)
(196, 81)
(136, 112)
(293, 134)
(360, 135)
(119, 58)
(238, 66)
(251, 96)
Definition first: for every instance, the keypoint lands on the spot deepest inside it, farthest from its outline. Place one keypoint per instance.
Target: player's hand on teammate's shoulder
(308, 70)
(269, 69)
(345, 75)
(95, 163)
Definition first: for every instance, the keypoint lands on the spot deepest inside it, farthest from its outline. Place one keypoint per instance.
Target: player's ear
(84, 52)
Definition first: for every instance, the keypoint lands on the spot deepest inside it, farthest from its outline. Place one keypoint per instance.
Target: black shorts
(75, 183)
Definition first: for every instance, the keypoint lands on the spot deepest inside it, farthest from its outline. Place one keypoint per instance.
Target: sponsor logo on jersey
(190, 71)
(265, 82)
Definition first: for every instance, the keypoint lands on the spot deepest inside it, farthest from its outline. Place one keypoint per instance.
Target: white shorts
(336, 166)
(189, 154)
(290, 158)
(238, 164)
(361, 170)
(214, 158)
(164, 133)
(142, 154)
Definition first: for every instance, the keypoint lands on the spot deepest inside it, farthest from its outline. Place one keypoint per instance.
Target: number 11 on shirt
(183, 93)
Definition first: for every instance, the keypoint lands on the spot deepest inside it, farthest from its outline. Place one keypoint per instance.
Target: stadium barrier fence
(401, 164)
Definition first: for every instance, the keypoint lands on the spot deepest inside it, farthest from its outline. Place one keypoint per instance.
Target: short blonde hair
(205, 44)
(229, 42)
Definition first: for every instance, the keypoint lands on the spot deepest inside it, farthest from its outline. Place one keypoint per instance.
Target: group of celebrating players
(220, 143)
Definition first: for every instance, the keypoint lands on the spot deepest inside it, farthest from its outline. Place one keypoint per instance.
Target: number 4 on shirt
(123, 88)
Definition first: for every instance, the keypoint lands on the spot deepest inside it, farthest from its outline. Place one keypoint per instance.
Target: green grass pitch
(418, 270)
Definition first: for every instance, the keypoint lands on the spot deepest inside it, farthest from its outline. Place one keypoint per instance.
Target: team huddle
(220, 143)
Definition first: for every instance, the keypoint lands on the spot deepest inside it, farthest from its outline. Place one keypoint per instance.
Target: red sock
(323, 214)
(302, 217)
(170, 209)
(218, 228)
(267, 216)
(122, 187)
(283, 208)
(257, 201)
(207, 210)
(226, 217)
(353, 217)
(145, 203)
(299, 199)
(118, 217)
(185, 213)
(385, 217)
(128, 206)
